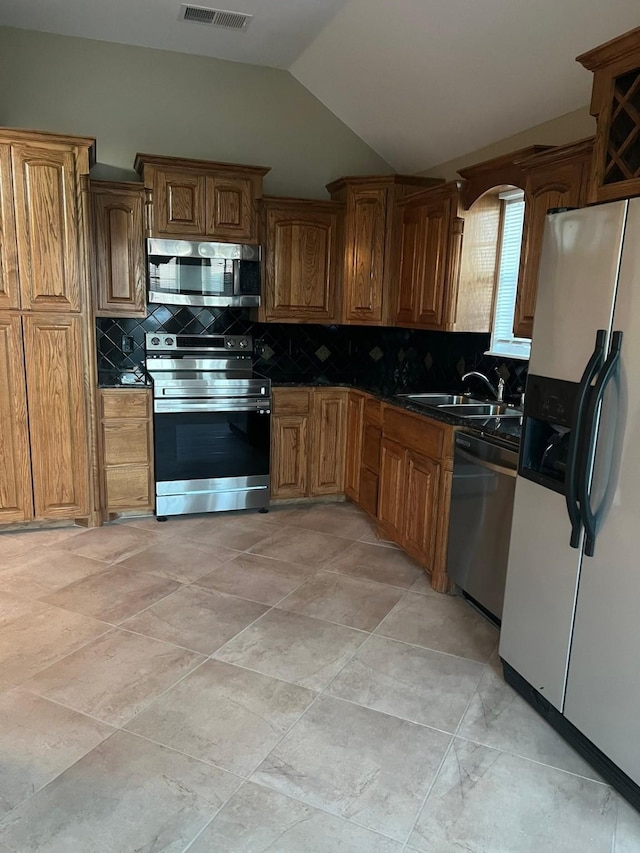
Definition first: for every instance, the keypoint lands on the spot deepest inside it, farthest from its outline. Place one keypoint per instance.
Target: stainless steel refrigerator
(570, 640)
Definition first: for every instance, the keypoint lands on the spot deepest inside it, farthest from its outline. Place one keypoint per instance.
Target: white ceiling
(279, 31)
(421, 81)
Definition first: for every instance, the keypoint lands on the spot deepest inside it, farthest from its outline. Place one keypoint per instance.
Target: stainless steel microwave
(216, 274)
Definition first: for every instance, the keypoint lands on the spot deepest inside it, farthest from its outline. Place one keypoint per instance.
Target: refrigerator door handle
(591, 423)
(571, 483)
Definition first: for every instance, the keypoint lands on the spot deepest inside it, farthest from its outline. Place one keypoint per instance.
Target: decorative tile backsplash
(385, 360)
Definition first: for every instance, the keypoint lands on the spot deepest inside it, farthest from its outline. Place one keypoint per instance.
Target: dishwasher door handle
(491, 466)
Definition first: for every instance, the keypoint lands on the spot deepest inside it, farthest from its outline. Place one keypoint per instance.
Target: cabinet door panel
(371, 448)
(126, 442)
(433, 245)
(391, 494)
(421, 516)
(57, 417)
(328, 418)
(15, 467)
(300, 265)
(230, 208)
(47, 225)
(410, 266)
(559, 185)
(289, 457)
(368, 499)
(355, 408)
(178, 203)
(365, 250)
(119, 252)
(129, 487)
(9, 291)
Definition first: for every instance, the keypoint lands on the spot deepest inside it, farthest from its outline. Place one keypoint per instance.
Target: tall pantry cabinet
(45, 333)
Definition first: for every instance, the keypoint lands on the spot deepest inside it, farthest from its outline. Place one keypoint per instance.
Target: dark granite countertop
(115, 378)
(507, 429)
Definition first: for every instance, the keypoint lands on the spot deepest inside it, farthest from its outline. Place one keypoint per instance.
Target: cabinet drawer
(371, 448)
(291, 401)
(126, 442)
(415, 432)
(128, 487)
(368, 498)
(125, 404)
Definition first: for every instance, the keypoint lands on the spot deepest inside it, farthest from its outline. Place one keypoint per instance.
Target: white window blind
(503, 341)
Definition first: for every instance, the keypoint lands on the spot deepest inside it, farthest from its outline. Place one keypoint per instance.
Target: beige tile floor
(243, 683)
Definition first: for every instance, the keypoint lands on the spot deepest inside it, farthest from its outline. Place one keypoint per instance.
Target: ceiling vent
(214, 17)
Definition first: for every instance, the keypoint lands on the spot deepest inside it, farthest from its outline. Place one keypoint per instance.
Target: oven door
(211, 460)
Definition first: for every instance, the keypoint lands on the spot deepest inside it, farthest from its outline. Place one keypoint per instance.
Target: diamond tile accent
(376, 354)
(323, 353)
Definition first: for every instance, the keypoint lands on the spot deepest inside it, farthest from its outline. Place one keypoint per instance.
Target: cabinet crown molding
(557, 153)
(441, 190)
(382, 180)
(143, 160)
(625, 47)
(33, 137)
(498, 171)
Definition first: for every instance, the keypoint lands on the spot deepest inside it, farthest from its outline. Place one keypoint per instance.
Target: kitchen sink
(482, 410)
(438, 400)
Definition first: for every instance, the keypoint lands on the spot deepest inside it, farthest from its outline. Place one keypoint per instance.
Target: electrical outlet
(127, 343)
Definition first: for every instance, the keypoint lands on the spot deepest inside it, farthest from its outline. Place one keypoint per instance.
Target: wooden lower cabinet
(56, 394)
(127, 449)
(308, 442)
(16, 493)
(355, 413)
(328, 438)
(391, 502)
(416, 461)
(289, 456)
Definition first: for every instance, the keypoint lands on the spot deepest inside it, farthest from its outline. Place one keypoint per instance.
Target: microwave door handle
(236, 278)
(571, 482)
(591, 423)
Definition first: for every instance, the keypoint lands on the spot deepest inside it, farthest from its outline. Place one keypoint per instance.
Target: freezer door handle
(591, 423)
(571, 482)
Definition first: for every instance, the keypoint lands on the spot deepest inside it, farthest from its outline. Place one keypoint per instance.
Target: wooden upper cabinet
(231, 208)
(56, 395)
(615, 104)
(9, 288)
(364, 254)
(118, 249)
(200, 199)
(429, 246)
(368, 242)
(178, 203)
(16, 503)
(559, 177)
(301, 271)
(48, 227)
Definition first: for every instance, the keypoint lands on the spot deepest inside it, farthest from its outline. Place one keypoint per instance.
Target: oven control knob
(242, 343)
(230, 343)
(168, 342)
(155, 342)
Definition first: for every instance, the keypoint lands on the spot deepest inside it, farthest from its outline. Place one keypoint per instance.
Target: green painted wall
(137, 99)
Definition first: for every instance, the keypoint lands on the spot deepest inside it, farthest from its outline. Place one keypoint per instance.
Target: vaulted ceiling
(421, 81)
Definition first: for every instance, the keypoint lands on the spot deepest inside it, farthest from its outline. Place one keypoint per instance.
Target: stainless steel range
(212, 424)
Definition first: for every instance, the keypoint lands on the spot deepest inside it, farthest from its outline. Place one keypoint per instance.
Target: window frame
(502, 345)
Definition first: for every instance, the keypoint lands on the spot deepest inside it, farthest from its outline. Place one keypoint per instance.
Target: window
(503, 341)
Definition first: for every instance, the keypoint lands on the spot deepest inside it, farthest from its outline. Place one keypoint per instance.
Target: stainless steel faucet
(498, 392)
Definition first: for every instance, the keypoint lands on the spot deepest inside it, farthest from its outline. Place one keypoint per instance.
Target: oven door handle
(262, 407)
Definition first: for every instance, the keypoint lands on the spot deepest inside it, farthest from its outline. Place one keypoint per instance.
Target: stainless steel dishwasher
(484, 479)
